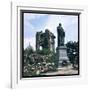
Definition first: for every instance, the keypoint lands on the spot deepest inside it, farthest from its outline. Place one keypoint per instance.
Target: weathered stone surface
(61, 48)
(62, 56)
(45, 40)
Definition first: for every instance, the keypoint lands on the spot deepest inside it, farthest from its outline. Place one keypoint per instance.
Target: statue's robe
(61, 35)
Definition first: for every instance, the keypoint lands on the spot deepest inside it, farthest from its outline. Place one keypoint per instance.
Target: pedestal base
(62, 57)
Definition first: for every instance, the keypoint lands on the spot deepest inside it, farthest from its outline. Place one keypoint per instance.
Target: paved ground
(61, 71)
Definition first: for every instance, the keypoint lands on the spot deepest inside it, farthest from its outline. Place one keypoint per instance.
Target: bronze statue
(61, 35)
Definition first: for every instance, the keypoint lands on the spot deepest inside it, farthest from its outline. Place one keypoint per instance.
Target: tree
(44, 52)
(28, 50)
(72, 51)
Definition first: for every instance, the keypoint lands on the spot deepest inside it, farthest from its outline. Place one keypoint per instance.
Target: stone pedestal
(62, 56)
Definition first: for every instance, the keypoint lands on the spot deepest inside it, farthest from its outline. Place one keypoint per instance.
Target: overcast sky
(40, 22)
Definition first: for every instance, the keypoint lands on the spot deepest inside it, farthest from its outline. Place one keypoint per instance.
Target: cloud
(32, 16)
(30, 41)
(69, 23)
(30, 29)
(52, 24)
(33, 23)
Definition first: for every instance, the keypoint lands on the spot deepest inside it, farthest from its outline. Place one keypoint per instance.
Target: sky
(39, 22)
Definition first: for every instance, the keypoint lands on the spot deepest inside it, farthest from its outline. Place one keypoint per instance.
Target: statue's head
(60, 24)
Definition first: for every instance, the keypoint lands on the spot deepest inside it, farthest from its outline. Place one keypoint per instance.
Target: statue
(61, 35)
(61, 48)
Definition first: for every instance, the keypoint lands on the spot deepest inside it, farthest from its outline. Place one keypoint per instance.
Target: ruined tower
(45, 40)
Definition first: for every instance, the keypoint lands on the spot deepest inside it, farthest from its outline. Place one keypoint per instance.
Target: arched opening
(40, 47)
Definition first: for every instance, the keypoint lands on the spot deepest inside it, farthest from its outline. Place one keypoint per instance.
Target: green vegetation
(73, 54)
(41, 61)
(29, 50)
(44, 52)
(38, 62)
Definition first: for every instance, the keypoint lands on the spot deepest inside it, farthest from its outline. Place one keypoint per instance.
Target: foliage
(73, 54)
(44, 52)
(35, 63)
(28, 50)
